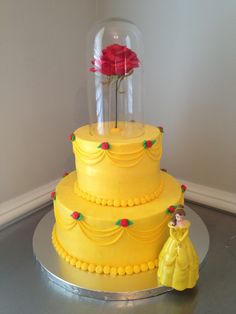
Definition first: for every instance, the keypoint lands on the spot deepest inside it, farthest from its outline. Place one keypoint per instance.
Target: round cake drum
(105, 287)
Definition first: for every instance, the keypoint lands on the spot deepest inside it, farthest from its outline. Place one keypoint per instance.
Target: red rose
(148, 144)
(115, 60)
(124, 222)
(171, 209)
(105, 145)
(183, 188)
(53, 195)
(72, 137)
(75, 215)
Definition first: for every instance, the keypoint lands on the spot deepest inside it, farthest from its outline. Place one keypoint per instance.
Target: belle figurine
(178, 261)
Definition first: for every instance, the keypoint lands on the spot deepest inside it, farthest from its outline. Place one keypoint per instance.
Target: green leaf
(80, 217)
(118, 222)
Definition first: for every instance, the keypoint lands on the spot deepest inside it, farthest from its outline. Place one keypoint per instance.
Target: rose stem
(116, 111)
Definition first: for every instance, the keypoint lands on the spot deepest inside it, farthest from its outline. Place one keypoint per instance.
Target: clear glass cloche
(115, 66)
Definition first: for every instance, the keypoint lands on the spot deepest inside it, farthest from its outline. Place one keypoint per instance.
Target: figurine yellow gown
(178, 260)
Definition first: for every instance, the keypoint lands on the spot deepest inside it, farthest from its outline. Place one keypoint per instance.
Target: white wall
(190, 82)
(42, 89)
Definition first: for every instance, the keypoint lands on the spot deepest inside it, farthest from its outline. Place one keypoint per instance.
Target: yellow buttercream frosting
(111, 213)
(127, 173)
(97, 242)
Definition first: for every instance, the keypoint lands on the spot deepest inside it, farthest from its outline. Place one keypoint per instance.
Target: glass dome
(115, 79)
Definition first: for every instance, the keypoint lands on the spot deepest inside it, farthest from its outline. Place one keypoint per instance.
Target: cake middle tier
(118, 172)
(112, 240)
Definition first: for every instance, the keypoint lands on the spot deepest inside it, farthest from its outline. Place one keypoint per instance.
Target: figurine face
(179, 217)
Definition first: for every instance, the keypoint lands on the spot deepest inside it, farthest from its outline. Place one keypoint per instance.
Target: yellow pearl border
(101, 269)
(120, 203)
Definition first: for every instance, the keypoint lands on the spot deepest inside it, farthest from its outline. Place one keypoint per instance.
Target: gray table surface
(24, 289)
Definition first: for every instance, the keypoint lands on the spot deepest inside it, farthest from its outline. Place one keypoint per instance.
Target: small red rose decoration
(53, 195)
(72, 137)
(115, 60)
(149, 143)
(124, 222)
(77, 216)
(104, 146)
(65, 174)
(171, 209)
(183, 188)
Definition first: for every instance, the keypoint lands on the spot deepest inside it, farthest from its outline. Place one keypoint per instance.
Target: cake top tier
(112, 170)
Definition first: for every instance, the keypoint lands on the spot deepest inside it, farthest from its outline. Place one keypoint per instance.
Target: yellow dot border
(120, 203)
(101, 269)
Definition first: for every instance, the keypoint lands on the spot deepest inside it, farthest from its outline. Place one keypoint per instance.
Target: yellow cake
(112, 213)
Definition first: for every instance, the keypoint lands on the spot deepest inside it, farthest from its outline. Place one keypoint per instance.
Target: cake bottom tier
(111, 240)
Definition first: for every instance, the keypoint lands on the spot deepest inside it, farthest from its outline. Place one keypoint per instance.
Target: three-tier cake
(112, 212)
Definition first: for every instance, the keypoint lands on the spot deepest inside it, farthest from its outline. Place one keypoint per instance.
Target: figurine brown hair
(180, 211)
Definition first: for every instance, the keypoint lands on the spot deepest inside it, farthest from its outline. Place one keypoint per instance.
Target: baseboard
(212, 197)
(23, 205)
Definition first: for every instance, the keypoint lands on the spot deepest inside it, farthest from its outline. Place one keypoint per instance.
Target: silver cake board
(106, 287)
